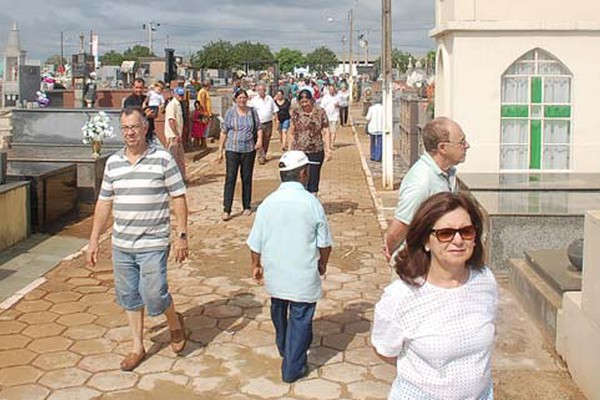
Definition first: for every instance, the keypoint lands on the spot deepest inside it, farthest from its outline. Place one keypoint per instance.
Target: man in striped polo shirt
(138, 182)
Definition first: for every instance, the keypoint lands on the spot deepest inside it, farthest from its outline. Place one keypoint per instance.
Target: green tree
(56, 60)
(137, 51)
(400, 60)
(288, 59)
(112, 58)
(217, 54)
(322, 59)
(254, 55)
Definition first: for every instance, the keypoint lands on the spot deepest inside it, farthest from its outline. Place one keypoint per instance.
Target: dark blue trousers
(376, 147)
(293, 335)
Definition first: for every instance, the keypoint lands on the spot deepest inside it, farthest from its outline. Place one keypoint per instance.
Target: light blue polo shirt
(422, 180)
(289, 228)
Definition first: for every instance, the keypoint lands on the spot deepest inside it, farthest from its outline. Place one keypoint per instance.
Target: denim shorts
(284, 125)
(141, 280)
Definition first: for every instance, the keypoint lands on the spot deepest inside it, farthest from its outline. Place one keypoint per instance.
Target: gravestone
(3, 166)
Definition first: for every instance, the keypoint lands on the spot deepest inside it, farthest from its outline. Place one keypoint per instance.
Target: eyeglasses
(462, 143)
(127, 128)
(446, 235)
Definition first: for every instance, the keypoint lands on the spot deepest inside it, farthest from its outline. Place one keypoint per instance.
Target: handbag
(254, 125)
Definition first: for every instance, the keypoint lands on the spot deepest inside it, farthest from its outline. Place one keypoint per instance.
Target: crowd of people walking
(434, 322)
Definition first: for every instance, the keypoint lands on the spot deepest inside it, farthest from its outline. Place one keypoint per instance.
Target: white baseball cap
(294, 159)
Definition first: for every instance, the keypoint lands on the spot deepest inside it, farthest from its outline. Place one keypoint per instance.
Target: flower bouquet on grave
(95, 130)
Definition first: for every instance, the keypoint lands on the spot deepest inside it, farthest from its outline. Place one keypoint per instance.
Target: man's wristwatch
(182, 235)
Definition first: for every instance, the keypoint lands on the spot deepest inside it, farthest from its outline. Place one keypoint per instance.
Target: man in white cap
(290, 244)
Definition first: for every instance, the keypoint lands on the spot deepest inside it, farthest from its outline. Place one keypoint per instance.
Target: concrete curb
(377, 202)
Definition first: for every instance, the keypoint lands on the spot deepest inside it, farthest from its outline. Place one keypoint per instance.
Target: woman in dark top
(309, 132)
(283, 116)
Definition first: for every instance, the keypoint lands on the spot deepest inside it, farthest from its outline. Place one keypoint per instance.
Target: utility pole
(151, 26)
(344, 39)
(386, 68)
(62, 49)
(350, 42)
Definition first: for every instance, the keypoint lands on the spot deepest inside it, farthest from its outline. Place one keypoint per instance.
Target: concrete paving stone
(384, 372)
(341, 295)
(343, 372)
(223, 311)
(267, 351)
(42, 317)
(21, 375)
(343, 341)
(265, 389)
(63, 297)
(369, 390)
(362, 327)
(362, 356)
(90, 289)
(155, 363)
(105, 309)
(57, 360)
(14, 341)
(148, 382)
(323, 327)
(84, 282)
(75, 393)
(253, 338)
(93, 346)
(320, 356)
(190, 366)
(119, 334)
(25, 392)
(50, 344)
(341, 278)
(208, 336)
(203, 385)
(64, 378)
(35, 294)
(114, 320)
(327, 285)
(33, 305)
(97, 298)
(10, 314)
(113, 380)
(195, 290)
(318, 389)
(100, 362)
(44, 330)
(68, 308)
(198, 322)
(224, 351)
(76, 319)
(10, 358)
(90, 331)
(11, 327)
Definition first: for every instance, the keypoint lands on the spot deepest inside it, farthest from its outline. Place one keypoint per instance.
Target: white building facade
(521, 78)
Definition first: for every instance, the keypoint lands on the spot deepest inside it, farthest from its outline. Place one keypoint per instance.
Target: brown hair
(435, 132)
(413, 261)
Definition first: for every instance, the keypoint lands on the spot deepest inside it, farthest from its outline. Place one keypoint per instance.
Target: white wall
(472, 86)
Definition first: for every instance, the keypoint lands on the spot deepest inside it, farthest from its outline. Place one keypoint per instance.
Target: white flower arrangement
(97, 129)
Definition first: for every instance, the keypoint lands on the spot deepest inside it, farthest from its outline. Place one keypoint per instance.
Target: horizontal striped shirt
(140, 195)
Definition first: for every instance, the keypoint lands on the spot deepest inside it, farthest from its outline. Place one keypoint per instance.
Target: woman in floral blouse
(309, 132)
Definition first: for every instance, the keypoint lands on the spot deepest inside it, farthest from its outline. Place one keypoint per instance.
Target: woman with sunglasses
(309, 132)
(436, 323)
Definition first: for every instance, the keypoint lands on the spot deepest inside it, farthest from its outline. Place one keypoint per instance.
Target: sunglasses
(446, 235)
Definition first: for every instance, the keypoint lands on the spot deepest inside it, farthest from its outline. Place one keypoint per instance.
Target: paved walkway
(65, 339)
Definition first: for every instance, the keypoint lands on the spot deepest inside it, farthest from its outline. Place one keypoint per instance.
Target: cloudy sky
(187, 25)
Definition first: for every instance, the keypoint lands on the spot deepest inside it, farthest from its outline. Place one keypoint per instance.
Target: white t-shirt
(265, 108)
(329, 103)
(343, 98)
(155, 99)
(442, 338)
(375, 118)
(174, 112)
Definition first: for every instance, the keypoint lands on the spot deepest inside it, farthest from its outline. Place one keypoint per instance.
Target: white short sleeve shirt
(442, 338)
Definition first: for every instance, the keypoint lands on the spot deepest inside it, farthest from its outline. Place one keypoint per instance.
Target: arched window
(536, 114)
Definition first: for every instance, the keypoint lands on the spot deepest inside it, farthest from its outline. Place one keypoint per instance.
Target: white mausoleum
(521, 78)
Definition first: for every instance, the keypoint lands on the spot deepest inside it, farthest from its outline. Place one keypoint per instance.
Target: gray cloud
(187, 24)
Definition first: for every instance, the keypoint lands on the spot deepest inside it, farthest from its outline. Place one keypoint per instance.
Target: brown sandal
(178, 338)
(132, 360)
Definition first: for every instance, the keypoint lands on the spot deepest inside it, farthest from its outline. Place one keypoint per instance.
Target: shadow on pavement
(206, 321)
(338, 207)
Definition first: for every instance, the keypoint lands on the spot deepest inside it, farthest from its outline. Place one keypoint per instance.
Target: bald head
(437, 131)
